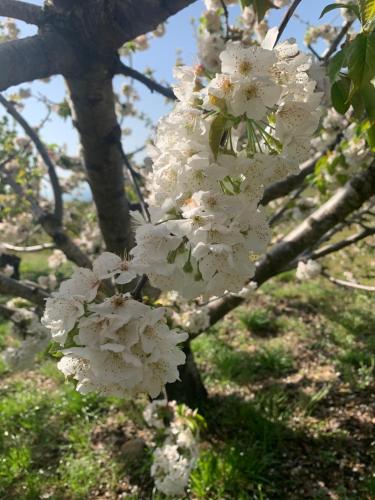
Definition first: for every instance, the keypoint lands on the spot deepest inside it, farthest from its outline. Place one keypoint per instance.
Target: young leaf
(340, 95)
(333, 6)
(216, 133)
(367, 11)
(335, 64)
(245, 3)
(361, 59)
(261, 7)
(371, 137)
(358, 104)
(368, 98)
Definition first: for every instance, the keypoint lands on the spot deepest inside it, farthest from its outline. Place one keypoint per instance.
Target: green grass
(280, 372)
(35, 264)
(259, 321)
(224, 364)
(46, 441)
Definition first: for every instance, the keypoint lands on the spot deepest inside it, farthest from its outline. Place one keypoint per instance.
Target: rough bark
(23, 11)
(33, 58)
(67, 28)
(34, 294)
(94, 116)
(189, 389)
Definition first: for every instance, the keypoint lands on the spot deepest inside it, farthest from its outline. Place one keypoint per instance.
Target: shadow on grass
(257, 454)
(240, 366)
(45, 442)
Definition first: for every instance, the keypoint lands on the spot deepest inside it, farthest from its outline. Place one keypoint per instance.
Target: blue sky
(160, 57)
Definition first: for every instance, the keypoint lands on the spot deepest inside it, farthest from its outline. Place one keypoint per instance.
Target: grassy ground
(290, 416)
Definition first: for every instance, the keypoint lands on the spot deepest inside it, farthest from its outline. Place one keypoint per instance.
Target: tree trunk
(94, 116)
(189, 389)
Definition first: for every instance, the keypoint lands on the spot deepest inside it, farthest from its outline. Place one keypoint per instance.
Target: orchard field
(290, 414)
(187, 235)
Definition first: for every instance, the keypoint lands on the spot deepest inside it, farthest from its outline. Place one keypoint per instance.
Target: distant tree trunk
(189, 389)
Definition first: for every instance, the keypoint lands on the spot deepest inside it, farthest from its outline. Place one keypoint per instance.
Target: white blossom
(308, 270)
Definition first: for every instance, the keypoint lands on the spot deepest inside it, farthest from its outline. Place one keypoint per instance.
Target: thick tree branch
(359, 189)
(151, 84)
(94, 29)
(33, 293)
(55, 184)
(34, 57)
(23, 11)
(284, 187)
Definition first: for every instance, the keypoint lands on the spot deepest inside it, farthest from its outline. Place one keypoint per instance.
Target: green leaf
(245, 3)
(217, 130)
(358, 105)
(361, 59)
(368, 98)
(261, 7)
(340, 95)
(371, 137)
(367, 11)
(333, 6)
(335, 64)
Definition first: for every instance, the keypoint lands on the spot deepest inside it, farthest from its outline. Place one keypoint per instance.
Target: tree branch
(94, 29)
(51, 226)
(336, 42)
(94, 116)
(148, 82)
(34, 57)
(284, 187)
(28, 249)
(348, 284)
(23, 11)
(33, 293)
(349, 198)
(56, 188)
(335, 247)
(289, 13)
(6, 312)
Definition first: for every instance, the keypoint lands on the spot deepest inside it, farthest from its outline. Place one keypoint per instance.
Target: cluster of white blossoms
(327, 32)
(174, 460)
(308, 270)
(32, 338)
(214, 154)
(116, 345)
(56, 259)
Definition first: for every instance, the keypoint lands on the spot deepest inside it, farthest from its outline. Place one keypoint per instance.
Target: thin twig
(336, 42)
(348, 284)
(226, 15)
(153, 86)
(134, 175)
(42, 150)
(137, 292)
(285, 207)
(314, 52)
(289, 13)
